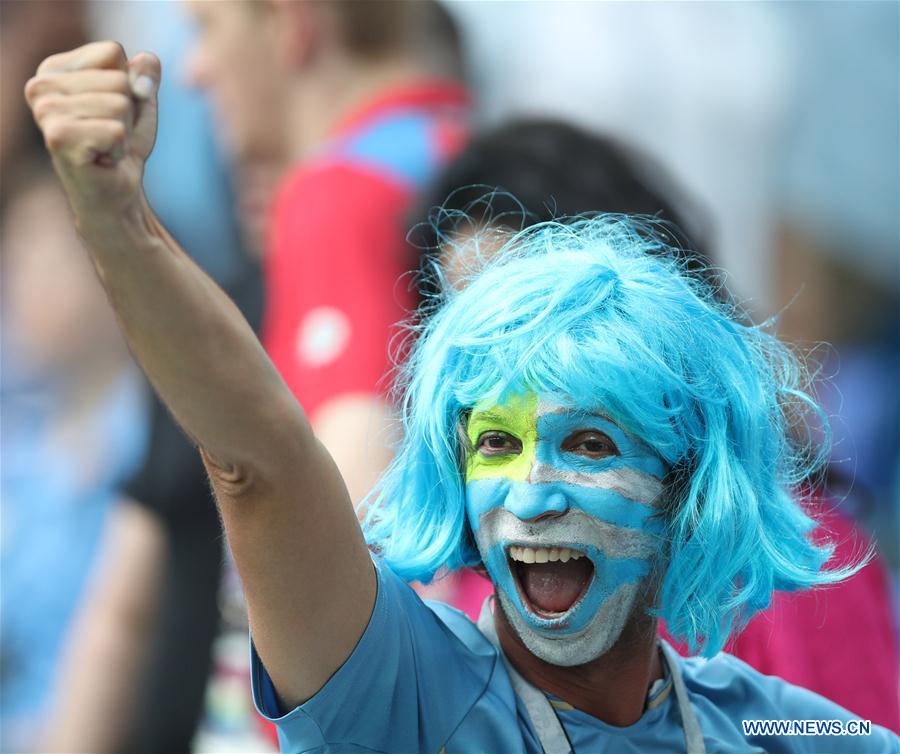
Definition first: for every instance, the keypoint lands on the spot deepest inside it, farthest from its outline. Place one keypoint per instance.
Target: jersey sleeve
(728, 687)
(405, 688)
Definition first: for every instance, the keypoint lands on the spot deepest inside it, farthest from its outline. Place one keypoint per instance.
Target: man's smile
(550, 581)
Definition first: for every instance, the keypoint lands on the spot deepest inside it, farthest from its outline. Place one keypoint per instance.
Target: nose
(531, 502)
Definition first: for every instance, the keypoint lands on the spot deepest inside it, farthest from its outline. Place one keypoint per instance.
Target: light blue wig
(597, 312)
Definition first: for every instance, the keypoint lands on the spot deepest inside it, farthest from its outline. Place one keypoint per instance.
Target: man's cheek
(483, 495)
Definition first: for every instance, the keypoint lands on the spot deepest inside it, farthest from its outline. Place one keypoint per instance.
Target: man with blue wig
(583, 420)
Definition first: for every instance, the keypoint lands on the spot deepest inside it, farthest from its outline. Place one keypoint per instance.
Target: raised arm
(306, 572)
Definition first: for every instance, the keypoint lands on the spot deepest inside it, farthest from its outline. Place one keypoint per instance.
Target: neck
(613, 688)
(322, 97)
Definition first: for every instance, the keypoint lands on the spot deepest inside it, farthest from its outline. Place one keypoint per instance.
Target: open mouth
(550, 580)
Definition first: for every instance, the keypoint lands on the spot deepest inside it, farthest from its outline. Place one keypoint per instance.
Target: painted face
(562, 506)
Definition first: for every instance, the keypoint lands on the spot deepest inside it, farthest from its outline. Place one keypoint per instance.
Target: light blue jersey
(423, 678)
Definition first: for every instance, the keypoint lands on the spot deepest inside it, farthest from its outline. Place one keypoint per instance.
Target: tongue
(554, 587)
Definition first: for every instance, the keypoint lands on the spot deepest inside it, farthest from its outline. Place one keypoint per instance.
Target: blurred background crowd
(302, 149)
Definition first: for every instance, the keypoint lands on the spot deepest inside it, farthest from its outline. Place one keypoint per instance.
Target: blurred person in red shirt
(838, 642)
(362, 100)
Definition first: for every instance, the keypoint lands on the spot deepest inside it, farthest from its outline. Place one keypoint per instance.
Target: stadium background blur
(779, 120)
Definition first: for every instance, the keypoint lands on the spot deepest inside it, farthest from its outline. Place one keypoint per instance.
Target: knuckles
(82, 102)
(62, 134)
(111, 53)
(36, 87)
(56, 135)
(116, 81)
(46, 96)
(118, 105)
(115, 131)
(45, 106)
(106, 54)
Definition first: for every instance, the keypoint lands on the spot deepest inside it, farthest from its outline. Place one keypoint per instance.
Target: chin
(578, 648)
(567, 587)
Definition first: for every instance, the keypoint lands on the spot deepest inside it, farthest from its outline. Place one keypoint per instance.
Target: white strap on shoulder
(693, 736)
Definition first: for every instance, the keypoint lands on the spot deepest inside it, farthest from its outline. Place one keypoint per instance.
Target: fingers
(89, 105)
(53, 111)
(80, 142)
(144, 72)
(96, 108)
(108, 55)
(139, 78)
(77, 83)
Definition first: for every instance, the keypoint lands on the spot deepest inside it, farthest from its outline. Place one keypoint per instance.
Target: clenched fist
(97, 112)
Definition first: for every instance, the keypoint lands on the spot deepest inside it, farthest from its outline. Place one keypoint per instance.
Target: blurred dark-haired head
(533, 171)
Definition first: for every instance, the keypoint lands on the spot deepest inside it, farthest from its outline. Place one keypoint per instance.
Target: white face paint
(544, 483)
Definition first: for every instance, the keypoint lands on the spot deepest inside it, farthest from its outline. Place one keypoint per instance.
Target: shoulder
(732, 683)
(400, 146)
(727, 692)
(410, 681)
(463, 630)
(337, 203)
(333, 187)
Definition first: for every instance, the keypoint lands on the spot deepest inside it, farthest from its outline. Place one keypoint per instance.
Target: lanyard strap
(693, 736)
(549, 729)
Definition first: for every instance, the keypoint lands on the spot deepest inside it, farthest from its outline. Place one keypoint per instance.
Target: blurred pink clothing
(837, 641)
(471, 592)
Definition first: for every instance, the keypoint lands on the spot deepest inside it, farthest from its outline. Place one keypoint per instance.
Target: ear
(299, 28)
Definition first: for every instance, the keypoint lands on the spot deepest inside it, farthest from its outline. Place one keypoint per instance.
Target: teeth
(543, 554)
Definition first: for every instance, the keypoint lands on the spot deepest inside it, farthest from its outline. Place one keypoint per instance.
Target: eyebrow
(579, 413)
(489, 416)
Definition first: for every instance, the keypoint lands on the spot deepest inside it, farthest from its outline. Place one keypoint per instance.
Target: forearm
(193, 343)
(306, 571)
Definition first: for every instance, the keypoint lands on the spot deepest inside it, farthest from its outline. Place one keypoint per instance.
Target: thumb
(144, 72)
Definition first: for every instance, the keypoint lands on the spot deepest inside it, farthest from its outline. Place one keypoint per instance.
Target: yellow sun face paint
(516, 417)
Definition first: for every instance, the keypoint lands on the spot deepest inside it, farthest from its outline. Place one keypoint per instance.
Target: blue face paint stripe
(609, 506)
(554, 428)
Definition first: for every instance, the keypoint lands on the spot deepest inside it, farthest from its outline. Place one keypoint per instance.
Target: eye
(590, 444)
(497, 443)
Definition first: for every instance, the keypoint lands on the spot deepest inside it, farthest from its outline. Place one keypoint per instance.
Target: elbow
(230, 481)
